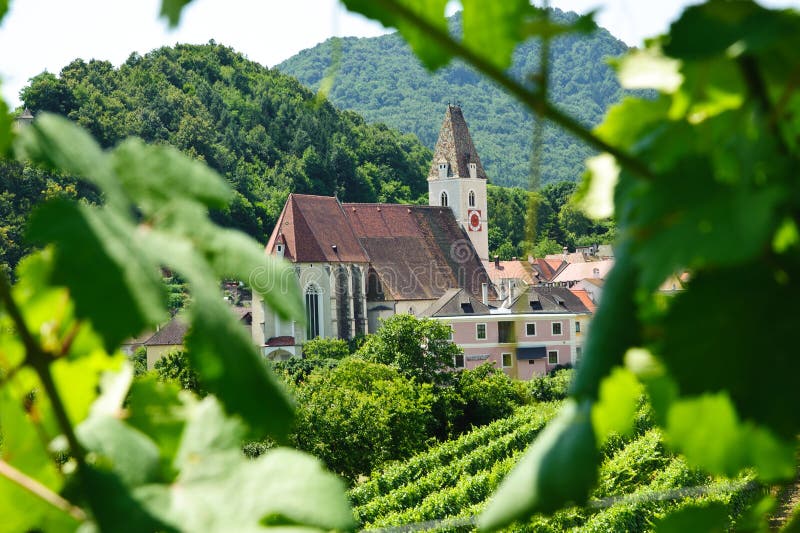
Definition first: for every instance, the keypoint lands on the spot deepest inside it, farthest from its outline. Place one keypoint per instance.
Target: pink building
(526, 336)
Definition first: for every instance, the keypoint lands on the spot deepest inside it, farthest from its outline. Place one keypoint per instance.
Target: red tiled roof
(510, 270)
(417, 252)
(281, 341)
(579, 271)
(315, 229)
(583, 296)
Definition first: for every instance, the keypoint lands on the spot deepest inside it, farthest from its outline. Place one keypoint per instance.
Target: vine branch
(533, 100)
(40, 362)
(37, 489)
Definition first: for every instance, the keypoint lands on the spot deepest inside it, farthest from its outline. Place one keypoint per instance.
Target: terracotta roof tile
(510, 270)
(585, 299)
(315, 229)
(281, 341)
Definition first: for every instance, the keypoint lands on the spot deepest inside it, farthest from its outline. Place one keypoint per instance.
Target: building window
(452, 332)
(506, 360)
(458, 360)
(472, 198)
(556, 328)
(313, 312)
(552, 357)
(530, 329)
(480, 331)
(444, 199)
(578, 353)
(577, 327)
(505, 331)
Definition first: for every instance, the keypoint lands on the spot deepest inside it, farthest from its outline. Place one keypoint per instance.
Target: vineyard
(639, 481)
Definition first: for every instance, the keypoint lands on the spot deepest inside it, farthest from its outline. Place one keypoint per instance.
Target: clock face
(474, 218)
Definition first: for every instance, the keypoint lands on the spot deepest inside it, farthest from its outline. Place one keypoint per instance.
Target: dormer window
(472, 198)
(443, 168)
(444, 199)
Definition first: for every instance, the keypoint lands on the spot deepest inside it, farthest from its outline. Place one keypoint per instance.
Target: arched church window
(444, 198)
(313, 312)
(472, 198)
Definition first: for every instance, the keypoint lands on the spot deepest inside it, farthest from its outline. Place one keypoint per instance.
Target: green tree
(360, 414)
(175, 366)
(320, 348)
(488, 394)
(419, 347)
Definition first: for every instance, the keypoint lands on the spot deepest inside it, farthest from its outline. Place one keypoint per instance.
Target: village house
(526, 336)
(357, 264)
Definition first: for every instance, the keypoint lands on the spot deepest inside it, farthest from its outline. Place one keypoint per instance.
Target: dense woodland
(381, 79)
(266, 134)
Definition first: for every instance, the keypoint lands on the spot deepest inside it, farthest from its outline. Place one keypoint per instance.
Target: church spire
(455, 155)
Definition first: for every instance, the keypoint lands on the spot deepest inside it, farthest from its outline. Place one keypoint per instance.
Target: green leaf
(221, 350)
(89, 237)
(709, 517)
(714, 351)
(602, 174)
(614, 328)
(172, 9)
(648, 69)
(77, 381)
(3, 8)
(617, 405)
(560, 467)
(708, 432)
(155, 410)
(235, 255)
(113, 504)
(281, 488)
(23, 449)
(130, 454)
(404, 15)
(157, 175)
(493, 29)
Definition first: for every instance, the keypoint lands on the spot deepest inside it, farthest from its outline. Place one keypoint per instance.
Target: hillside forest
(265, 133)
(381, 79)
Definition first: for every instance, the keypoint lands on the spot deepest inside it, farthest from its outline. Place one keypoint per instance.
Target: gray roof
(548, 300)
(456, 302)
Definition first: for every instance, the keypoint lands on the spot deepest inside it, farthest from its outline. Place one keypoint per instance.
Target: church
(359, 263)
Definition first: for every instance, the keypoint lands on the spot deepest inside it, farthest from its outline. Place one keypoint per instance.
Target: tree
(320, 348)
(360, 414)
(488, 394)
(174, 366)
(418, 347)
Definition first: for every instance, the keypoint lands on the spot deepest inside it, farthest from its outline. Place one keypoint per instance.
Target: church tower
(457, 179)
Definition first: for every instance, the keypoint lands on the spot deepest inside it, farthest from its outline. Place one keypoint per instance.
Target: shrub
(319, 348)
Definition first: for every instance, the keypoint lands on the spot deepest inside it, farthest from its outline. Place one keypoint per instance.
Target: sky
(39, 35)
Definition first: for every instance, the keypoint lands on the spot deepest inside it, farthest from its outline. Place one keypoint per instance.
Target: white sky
(40, 35)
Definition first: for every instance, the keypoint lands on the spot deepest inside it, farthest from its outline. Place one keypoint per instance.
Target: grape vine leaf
(22, 449)
(560, 467)
(299, 493)
(618, 402)
(493, 28)
(172, 9)
(392, 13)
(90, 237)
(710, 517)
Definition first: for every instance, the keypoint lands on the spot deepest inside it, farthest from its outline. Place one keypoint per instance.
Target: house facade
(527, 336)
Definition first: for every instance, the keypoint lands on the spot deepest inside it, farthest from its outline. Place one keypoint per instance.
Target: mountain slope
(265, 132)
(380, 78)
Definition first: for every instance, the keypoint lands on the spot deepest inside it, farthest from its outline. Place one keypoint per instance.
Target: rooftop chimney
(497, 261)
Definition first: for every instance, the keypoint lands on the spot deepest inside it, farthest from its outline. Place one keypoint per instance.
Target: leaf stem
(37, 489)
(40, 362)
(532, 99)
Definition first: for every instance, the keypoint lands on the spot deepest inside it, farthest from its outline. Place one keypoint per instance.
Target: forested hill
(265, 132)
(382, 80)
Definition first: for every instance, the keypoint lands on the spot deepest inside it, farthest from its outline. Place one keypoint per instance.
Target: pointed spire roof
(455, 146)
